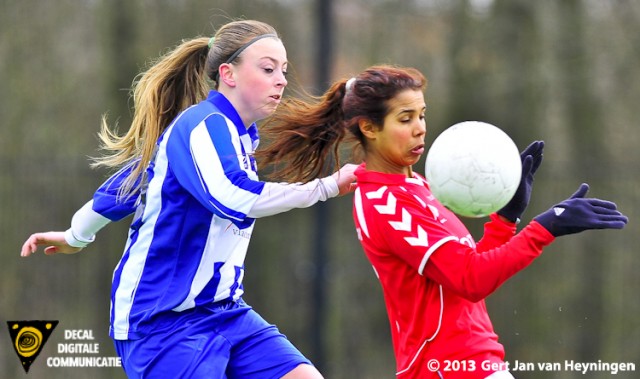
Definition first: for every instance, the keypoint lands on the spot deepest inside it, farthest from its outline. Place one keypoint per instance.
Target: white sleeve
(280, 197)
(84, 225)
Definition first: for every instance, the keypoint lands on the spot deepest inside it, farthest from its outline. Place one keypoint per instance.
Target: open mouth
(418, 150)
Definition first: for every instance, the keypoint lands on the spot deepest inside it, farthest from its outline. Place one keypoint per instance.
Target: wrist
(74, 241)
(331, 186)
(514, 220)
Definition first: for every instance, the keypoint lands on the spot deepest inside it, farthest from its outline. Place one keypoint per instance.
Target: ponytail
(177, 80)
(174, 82)
(303, 137)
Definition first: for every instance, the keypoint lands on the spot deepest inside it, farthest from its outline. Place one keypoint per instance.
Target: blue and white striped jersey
(193, 219)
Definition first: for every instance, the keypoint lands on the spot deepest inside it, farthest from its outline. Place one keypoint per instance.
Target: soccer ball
(473, 168)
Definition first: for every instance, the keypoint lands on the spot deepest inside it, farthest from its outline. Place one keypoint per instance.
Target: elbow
(474, 292)
(474, 296)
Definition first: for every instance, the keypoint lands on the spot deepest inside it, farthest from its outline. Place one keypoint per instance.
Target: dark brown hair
(304, 137)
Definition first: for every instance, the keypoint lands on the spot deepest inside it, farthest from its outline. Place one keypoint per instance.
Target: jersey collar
(365, 176)
(225, 106)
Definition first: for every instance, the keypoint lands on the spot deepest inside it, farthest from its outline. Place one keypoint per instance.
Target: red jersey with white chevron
(433, 274)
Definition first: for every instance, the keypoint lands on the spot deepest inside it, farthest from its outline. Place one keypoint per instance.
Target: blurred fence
(564, 72)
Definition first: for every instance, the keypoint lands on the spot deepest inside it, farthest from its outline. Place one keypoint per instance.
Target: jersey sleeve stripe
(360, 212)
(226, 186)
(431, 250)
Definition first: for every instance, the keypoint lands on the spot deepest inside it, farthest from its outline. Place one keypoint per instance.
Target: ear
(368, 129)
(227, 75)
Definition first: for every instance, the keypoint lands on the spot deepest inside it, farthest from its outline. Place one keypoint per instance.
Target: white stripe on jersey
(217, 183)
(216, 251)
(360, 212)
(134, 266)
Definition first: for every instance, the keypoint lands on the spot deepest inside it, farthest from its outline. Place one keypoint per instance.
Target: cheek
(395, 145)
(402, 138)
(252, 82)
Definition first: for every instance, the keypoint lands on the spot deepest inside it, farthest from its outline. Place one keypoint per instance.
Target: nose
(281, 80)
(421, 127)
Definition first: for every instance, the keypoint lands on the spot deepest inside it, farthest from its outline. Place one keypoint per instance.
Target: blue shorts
(225, 340)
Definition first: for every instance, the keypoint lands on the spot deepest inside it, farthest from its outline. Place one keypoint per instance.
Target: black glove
(531, 158)
(578, 213)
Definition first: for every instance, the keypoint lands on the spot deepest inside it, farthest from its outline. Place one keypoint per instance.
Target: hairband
(211, 40)
(349, 84)
(241, 49)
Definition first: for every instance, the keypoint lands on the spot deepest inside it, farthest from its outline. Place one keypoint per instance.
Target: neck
(230, 95)
(388, 169)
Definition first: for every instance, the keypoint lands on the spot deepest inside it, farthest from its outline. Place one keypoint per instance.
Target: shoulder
(200, 121)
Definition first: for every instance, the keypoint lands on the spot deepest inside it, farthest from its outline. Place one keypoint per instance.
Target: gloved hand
(578, 213)
(531, 158)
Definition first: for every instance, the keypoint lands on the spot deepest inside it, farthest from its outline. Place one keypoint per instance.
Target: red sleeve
(496, 233)
(474, 276)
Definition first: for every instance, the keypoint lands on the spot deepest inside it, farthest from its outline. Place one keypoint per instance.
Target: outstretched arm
(475, 276)
(84, 225)
(280, 197)
(88, 220)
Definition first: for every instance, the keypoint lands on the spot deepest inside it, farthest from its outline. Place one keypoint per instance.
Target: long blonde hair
(175, 81)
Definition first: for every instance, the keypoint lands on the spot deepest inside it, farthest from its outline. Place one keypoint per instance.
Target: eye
(268, 70)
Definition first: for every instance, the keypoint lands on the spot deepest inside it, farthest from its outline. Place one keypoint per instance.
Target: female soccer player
(190, 175)
(434, 276)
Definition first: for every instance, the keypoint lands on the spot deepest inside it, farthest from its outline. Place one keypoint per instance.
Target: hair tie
(211, 40)
(349, 84)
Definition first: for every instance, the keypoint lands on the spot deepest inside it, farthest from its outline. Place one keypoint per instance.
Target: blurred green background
(563, 71)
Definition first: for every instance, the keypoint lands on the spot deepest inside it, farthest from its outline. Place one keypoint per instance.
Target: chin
(410, 162)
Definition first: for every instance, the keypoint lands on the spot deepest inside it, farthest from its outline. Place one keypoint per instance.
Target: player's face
(260, 79)
(399, 144)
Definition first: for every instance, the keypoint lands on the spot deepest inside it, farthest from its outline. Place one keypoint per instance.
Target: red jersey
(435, 277)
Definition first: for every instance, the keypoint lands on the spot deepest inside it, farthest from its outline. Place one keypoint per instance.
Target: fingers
(527, 164)
(347, 171)
(51, 250)
(608, 212)
(30, 246)
(26, 250)
(346, 178)
(610, 224)
(604, 214)
(529, 149)
(54, 241)
(537, 156)
(581, 192)
(534, 151)
(603, 204)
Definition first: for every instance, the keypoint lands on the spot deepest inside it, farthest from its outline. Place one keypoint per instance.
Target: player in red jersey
(434, 276)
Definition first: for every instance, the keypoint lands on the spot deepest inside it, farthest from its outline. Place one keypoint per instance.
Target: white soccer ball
(473, 168)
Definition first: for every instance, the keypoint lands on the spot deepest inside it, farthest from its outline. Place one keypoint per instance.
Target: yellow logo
(29, 337)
